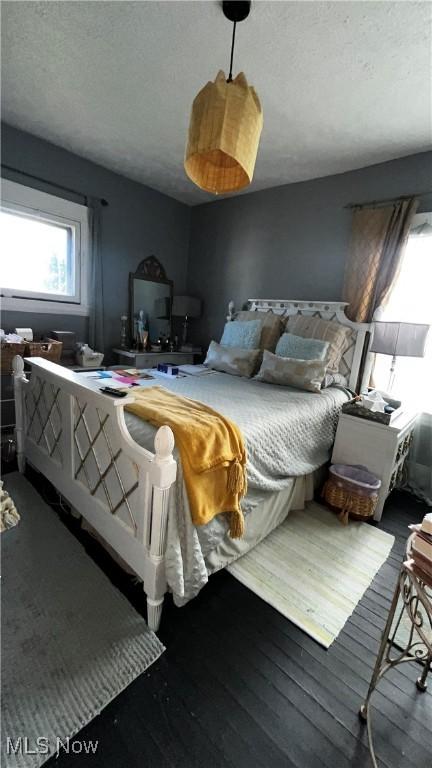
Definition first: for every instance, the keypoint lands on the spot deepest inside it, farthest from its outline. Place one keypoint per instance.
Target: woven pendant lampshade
(224, 132)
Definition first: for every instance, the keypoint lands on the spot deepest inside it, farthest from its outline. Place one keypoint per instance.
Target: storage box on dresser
(382, 448)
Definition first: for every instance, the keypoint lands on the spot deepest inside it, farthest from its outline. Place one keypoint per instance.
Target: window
(44, 243)
(410, 301)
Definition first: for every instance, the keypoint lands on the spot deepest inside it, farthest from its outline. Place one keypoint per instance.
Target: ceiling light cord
(232, 53)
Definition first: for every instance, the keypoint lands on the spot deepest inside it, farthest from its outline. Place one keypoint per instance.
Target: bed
(125, 479)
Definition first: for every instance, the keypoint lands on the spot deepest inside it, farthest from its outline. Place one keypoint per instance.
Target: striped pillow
(337, 335)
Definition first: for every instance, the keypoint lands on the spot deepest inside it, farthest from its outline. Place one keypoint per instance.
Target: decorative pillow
(242, 335)
(238, 362)
(303, 374)
(301, 348)
(334, 379)
(337, 335)
(272, 327)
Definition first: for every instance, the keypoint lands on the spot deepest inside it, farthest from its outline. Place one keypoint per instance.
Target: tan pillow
(303, 374)
(272, 327)
(337, 335)
(238, 362)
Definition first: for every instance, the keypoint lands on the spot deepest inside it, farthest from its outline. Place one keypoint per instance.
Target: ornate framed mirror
(150, 302)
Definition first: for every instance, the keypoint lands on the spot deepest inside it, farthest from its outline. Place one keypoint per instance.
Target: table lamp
(186, 306)
(399, 340)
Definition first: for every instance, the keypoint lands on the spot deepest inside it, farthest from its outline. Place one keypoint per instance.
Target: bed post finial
(164, 445)
(231, 311)
(18, 365)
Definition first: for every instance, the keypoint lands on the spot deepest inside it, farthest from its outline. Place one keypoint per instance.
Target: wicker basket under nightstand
(348, 503)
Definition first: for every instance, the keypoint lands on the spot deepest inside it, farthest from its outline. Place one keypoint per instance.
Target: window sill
(34, 306)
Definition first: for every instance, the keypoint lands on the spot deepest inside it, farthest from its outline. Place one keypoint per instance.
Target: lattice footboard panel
(44, 417)
(102, 465)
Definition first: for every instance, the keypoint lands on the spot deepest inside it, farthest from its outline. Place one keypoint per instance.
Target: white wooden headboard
(327, 310)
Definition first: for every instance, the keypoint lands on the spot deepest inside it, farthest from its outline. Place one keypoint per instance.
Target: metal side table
(416, 599)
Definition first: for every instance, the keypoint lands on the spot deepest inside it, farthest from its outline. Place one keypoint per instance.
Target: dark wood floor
(239, 685)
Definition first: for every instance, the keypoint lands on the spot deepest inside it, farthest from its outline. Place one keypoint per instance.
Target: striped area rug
(314, 570)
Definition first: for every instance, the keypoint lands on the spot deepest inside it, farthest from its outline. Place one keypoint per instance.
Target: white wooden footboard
(77, 438)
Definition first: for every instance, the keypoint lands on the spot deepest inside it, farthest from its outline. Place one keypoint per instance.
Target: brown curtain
(378, 237)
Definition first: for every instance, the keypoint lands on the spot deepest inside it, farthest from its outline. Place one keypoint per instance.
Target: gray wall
(137, 223)
(286, 242)
(289, 241)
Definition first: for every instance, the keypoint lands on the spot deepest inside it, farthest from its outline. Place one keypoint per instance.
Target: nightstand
(381, 448)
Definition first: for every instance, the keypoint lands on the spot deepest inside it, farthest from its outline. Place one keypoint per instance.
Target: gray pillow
(301, 348)
(288, 371)
(238, 362)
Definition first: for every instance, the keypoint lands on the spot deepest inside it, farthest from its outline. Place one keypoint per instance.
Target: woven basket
(49, 349)
(348, 503)
(8, 352)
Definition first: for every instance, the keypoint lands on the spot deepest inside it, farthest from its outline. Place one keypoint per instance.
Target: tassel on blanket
(236, 484)
(236, 525)
(236, 478)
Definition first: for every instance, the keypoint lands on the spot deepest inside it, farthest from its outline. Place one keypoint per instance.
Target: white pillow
(288, 371)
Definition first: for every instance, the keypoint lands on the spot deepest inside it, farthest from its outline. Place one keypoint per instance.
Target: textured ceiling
(343, 84)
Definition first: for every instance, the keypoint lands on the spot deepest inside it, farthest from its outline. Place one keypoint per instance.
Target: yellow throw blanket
(211, 448)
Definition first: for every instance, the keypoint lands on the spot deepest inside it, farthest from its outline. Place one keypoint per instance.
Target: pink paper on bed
(125, 379)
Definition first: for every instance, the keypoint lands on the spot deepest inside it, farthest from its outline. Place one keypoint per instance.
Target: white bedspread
(288, 433)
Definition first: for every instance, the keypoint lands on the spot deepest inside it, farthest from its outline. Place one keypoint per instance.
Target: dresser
(381, 448)
(134, 359)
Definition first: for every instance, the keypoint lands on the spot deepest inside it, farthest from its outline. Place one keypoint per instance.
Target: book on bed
(195, 370)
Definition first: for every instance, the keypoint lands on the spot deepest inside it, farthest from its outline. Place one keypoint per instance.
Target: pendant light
(225, 126)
